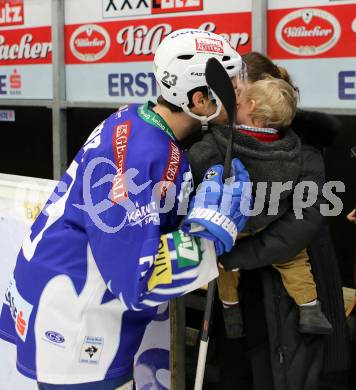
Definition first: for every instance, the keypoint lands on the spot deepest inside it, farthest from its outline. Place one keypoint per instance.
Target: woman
(279, 357)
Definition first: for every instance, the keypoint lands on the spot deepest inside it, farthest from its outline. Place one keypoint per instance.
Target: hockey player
(106, 250)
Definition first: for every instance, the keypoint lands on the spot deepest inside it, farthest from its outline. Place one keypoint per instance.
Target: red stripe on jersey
(119, 144)
(172, 168)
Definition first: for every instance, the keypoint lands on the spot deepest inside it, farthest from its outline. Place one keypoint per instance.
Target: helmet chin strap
(203, 118)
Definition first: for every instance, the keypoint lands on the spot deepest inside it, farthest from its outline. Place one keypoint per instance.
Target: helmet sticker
(209, 45)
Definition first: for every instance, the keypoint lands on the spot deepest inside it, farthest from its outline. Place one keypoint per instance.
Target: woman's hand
(352, 216)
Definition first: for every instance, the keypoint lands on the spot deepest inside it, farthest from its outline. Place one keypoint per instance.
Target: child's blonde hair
(276, 102)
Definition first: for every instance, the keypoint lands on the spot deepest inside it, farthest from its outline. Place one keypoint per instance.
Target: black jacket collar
(316, 128)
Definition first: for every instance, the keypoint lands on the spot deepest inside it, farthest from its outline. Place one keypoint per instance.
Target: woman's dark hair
(259, 66)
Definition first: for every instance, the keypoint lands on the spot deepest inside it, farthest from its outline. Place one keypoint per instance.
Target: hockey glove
(215, 210)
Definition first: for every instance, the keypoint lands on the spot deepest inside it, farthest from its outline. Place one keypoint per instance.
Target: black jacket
(286, 236)
(266, 162)
(296, 360)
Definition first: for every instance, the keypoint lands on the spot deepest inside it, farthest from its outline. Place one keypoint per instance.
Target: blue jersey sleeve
(133, 226)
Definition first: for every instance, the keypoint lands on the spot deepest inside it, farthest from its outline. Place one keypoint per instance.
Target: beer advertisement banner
(314, 40)
(25, 49)
(128, 32)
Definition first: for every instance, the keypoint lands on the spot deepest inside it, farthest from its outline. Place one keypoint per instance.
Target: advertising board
(110, 44)
(314, 40)
(25, 49)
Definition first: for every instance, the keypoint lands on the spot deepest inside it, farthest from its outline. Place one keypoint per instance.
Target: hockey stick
(219, 81)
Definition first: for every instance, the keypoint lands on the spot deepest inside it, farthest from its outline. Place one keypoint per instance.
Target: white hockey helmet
(179, 65)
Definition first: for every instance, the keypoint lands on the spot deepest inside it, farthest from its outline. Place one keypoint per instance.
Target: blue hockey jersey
(104, 253)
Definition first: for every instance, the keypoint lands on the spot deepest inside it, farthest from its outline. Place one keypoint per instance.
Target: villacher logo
(89, 42)
(308, 32)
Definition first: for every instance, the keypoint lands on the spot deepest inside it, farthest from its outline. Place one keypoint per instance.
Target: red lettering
(120, 140)
(29, 48)
(172, 168)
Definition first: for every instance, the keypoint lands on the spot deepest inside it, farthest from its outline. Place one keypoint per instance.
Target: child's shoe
(233, 321)
(313, 320)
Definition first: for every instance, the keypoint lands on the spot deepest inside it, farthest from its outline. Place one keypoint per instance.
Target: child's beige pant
(296, 276)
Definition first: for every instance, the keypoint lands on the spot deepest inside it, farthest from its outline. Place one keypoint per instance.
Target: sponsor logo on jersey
(189, 252)
(11, 12)
(89, 42)
(55, 337)
(209, 45)
(162, 271)
(308, 32)
(172, 168)
(20, 309)
(125, 8)
(91, 350)
(143, 215)
(120, 141)
(210, 174)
